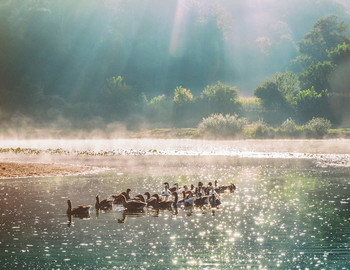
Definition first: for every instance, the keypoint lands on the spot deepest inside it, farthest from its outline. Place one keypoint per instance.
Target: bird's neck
(69, 207)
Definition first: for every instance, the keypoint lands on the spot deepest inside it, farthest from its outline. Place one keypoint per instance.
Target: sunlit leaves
(182, 95)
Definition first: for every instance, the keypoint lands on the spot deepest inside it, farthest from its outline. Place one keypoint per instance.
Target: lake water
(286, 213)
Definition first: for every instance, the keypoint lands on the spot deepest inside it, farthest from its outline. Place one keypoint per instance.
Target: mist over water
(322, 152)
(288, 214)
(290, 209)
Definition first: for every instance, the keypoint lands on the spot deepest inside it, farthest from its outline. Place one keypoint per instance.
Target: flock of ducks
(191, 196)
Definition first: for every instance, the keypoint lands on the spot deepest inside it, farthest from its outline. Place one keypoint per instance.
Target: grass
(165, 133)
(339, 132)
(249, 132)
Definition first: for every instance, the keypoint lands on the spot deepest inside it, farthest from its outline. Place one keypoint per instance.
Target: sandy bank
(13, 170)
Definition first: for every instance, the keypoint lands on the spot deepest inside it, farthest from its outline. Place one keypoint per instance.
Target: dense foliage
(321, 88)
(89, 64)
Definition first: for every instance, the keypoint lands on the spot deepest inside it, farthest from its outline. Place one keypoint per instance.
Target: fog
(165, 154)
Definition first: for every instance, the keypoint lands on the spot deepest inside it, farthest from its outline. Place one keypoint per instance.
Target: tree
(287, 84)
(275, 96)
(325, 35)
(182, 96)
(220, 98)
(160, 109)
(317, 76)
(118, 99)
(271, 98)
(183, 107)
(340, 80)
(310, 104)
(340, 54)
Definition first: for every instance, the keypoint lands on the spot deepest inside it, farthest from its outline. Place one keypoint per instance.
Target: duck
(176, 202)
(175, 188)
(172, 189)
(221, 189)
(214, 200)
(151, 201)
(232, 187)
(128, 194)
(117, 197)
(184, 188)
(162, 204)
(132, 204)
(79, 210)
(166, 193)
(201, 200)
(139, 197)
(104, 204)
(192, 188)
(188, 199)
(200, 184)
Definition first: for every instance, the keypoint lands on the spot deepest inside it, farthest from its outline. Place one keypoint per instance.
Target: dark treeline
(172, 63)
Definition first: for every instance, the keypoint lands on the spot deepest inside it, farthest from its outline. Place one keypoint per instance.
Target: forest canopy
(173, 63)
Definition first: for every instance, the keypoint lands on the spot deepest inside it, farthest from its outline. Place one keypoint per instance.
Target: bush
(290, 128)
(317, 127)
(260, 129)
(222, 126)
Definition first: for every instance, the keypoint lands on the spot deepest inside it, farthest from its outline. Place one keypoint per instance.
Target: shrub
(290, 128)
(317, 127)
(260, 129)
(222, 126)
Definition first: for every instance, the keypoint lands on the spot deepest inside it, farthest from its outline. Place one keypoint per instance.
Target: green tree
(340, 80)
(340, 54)
(220, 98)
(325, 35)
(317, 76)
(118, 99)
(271, 98)
(160, 109)
(183, 107)
(310, 104)
(182, 96)
(276, 96)
(287, 83)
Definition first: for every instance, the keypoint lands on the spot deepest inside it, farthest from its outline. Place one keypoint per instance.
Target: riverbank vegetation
(60, 83)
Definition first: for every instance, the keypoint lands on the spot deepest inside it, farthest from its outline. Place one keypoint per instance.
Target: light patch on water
(323, 152)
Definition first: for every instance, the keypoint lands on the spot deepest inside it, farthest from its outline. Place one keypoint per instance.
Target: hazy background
(58, 52)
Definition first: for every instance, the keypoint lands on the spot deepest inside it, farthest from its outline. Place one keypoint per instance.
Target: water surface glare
(283, 215)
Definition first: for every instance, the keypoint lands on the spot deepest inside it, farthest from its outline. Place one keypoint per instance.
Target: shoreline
(16, 169)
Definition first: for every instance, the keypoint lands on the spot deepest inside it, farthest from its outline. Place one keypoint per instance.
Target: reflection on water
(281, 216)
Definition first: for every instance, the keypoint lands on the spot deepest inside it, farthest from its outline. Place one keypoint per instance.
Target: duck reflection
(80, 216)
(129, 213)
(175, 211)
